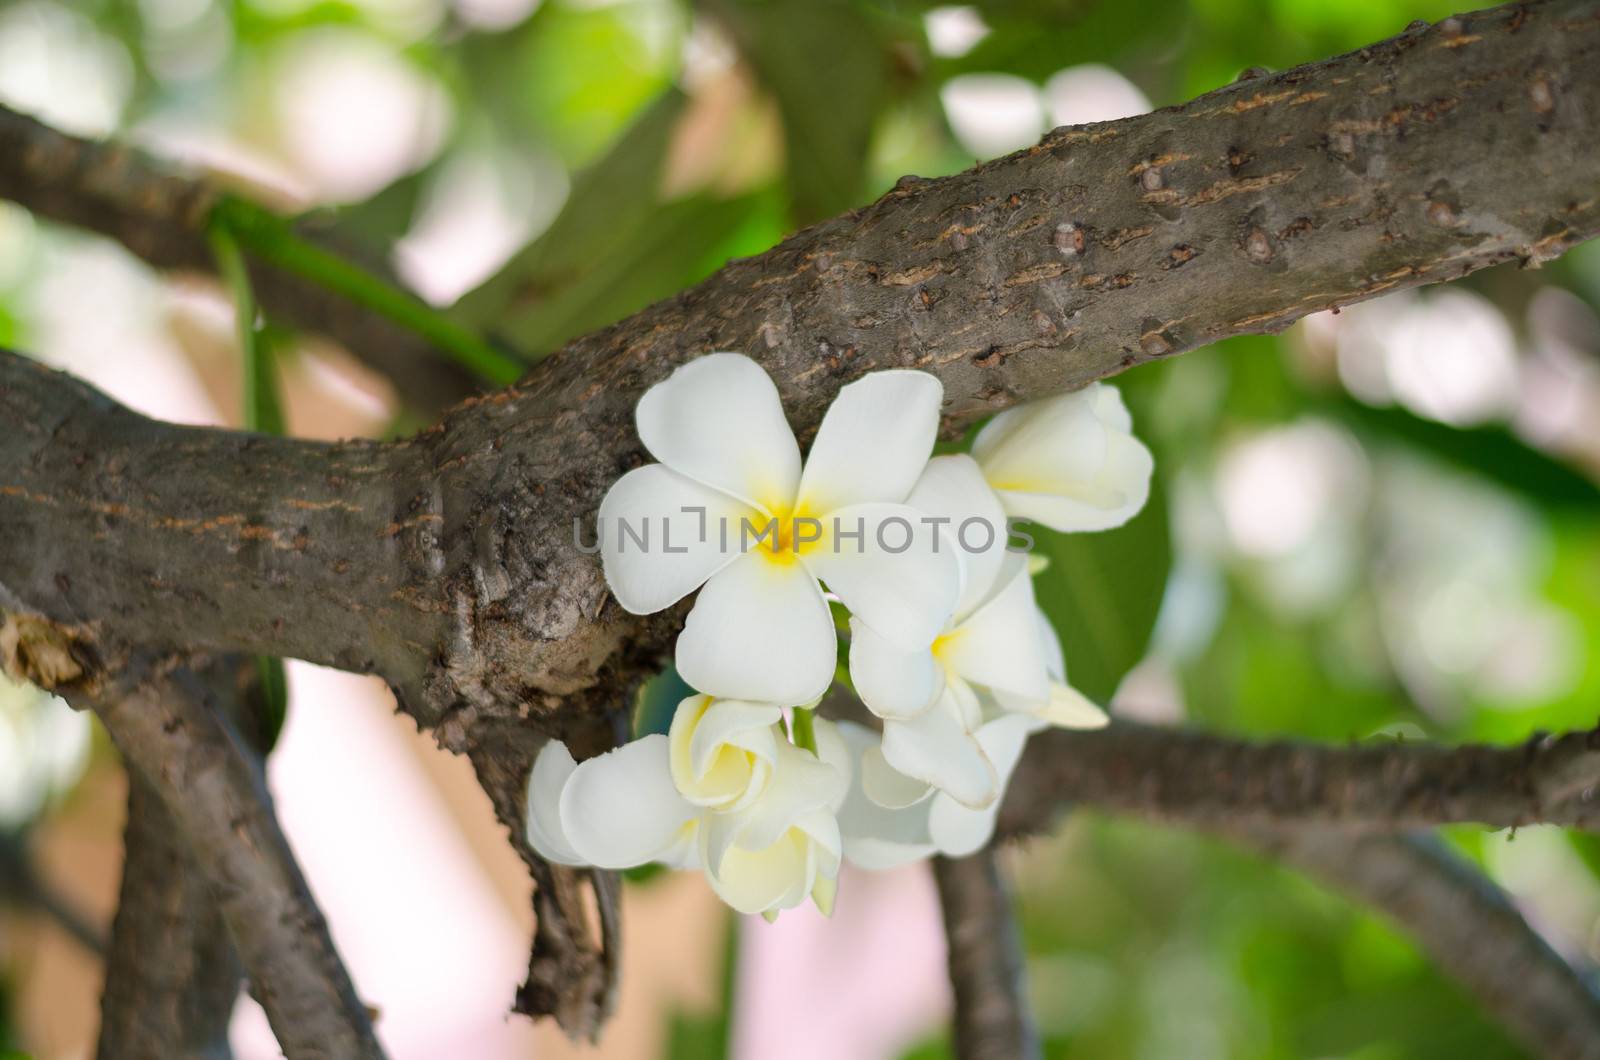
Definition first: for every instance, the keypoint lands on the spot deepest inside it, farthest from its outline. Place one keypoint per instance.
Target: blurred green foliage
(1141, 941)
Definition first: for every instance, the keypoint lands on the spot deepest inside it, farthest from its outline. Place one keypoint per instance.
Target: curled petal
(547, 779)
(760, 630)
(937, 748)
(893, 681)
(718, 421)
(953, 490)
(801, 784)
(890, 569)
(836, 754)
(621, 809)
(660, 537)
(1070, 709)
(722, 750)
(960, 830)
(874, 441)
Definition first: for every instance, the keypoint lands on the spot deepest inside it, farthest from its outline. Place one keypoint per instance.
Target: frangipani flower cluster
(948, 651)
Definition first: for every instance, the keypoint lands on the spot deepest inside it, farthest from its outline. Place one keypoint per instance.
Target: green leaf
(826, 62)
(1102, 592)
(274, 699)
(1492, 452)
(656, 701)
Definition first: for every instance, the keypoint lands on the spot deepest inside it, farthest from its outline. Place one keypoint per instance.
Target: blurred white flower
(56, 65)
(992, 114)
(353, 115)
(1091, 92)
(44, 746)
(732, 510)
(724, 791)
(1070, 462)
(954, 31)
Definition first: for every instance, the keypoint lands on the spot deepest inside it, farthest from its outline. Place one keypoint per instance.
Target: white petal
(759, 630)
(655, 551)
(756, 881)
(886, 785)
(718, 420)
(545, 782)
(897, 576)
(835, 753)
(998, 645)
(1043, 446)
(621, 808)
(953, 488)
(1070, 709)
(1116, 496)
(893, 682)
(1069, 462)
(936, 748)
(876, 837)
(874, 441)
(1055, 660)
(959, 830)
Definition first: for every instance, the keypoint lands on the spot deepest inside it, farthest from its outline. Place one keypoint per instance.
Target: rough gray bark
(1462, 921)
(168, 728)
(171, 976)
(987, 975)
(446, 563)
(161, 216)
(1198, 778)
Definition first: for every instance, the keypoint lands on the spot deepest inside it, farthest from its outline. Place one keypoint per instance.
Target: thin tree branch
(163, 721)
(19, 883)
(1462, 921)
(160, 215)
(172, 976)
(1190, 777)
(987, 974)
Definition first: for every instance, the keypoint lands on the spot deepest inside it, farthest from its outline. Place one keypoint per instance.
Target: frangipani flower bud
(1068, 462)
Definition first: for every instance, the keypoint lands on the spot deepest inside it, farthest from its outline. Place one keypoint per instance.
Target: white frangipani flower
(1069, 462)
(723, 791)
(760, 628)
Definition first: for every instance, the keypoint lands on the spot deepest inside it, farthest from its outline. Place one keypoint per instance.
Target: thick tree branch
(178, 536)
(1103, 247)
(987, 975)
(161, 216)
(1462, 921)
(164, 723)
(1190, 777)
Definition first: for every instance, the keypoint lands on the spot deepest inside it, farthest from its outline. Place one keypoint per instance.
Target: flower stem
(805, 731)
(270, 238)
